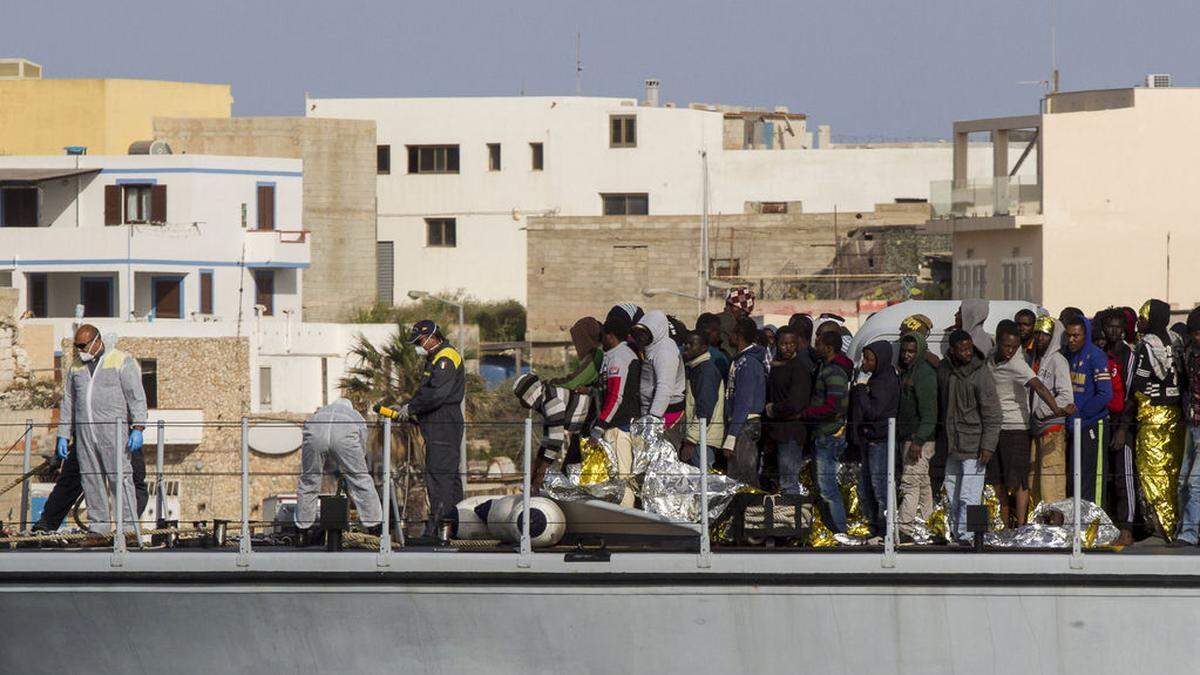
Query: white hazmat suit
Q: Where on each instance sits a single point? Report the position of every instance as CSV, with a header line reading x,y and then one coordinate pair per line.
x,y
336,432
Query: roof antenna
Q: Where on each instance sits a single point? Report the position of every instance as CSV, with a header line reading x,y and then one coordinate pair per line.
x,y
1053,52
578,67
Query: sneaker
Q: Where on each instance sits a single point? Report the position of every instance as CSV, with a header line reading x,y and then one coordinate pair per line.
x,y
875,540
846,540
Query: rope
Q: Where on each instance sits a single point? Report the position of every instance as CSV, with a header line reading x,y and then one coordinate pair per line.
x,y
46,464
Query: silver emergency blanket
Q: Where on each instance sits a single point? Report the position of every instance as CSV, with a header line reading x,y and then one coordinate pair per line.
x,y
1097,528
667,486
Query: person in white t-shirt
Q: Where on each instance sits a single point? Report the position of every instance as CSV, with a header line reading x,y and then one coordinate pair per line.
x,y
1008,472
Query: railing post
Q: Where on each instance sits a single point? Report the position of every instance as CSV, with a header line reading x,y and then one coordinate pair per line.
x,y
1077,471
385,531
118,554
160,500
526,557
704,559
889,537
243,558
25,472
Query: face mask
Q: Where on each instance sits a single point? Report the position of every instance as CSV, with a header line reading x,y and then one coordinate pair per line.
x,y
86,355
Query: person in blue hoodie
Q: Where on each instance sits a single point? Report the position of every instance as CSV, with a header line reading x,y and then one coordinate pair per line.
x,y
873,403
745,399
1092,385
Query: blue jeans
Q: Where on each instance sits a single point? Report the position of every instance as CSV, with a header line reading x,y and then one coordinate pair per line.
x,y
964,487
872,486
829,450
791,457
704,453
1189,490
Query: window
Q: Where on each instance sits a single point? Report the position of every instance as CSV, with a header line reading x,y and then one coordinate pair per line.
x,y
150,380
135,203
622,131
383,159
385,271
19,207
536,156
38,300
441,232
632,204
724,267
264,385
970,279
6,278
96,296
266,206
493,156
206,292
774,207
1017,274
433,159
166,295
264,290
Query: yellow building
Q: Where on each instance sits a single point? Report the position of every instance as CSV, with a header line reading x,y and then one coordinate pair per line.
x,y
41,117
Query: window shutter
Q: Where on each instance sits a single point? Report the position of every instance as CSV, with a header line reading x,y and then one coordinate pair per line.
x,y
266,207
158,203
112,204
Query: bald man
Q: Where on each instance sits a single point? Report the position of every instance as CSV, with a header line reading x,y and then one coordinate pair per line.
x,y
104,408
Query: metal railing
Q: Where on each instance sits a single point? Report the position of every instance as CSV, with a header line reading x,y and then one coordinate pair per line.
x,y
122,517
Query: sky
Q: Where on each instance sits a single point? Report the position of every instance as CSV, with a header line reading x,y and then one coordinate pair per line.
x,y
872,69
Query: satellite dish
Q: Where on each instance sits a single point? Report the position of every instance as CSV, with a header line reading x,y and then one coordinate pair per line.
x,y
277,438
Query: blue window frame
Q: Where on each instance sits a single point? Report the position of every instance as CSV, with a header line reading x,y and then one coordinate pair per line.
x,y
166,278
105,307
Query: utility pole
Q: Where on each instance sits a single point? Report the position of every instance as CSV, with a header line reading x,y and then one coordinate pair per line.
x,y
703,290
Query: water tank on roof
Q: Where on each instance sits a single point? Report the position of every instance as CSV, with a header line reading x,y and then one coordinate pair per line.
x,y
149,148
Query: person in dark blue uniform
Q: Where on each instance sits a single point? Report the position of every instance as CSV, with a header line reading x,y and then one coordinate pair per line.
x,y
436,407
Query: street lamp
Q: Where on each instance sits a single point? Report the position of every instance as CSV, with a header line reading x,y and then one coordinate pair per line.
x,y
462,451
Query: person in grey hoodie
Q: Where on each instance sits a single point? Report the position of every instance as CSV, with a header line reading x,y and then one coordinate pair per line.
x,y
663,379
970,317
973,421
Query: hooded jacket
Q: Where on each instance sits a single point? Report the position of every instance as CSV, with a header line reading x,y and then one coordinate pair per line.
x,y
974,313
1054,371
973,416
877,401
916,418
746,394
1156,365
585,335
1090,380
704,399
662,378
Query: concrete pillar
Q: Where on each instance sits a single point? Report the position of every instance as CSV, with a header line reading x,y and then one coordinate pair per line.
x,y
1000,153
960,159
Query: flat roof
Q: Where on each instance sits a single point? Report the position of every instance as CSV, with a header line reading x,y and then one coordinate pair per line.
x,y
38,175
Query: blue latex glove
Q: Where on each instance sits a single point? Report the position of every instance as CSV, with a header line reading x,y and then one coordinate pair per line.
x,y
60,448
135,440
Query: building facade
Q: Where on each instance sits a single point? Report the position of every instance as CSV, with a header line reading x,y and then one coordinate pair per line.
x,y
459,178
339,193
41,116
153,237
1106,219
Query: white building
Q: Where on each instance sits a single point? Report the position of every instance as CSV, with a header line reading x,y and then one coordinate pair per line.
x,y
152,237
458,176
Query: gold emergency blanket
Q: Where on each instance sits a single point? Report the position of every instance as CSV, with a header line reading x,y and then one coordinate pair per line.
x,y
1158,457
939,521
820,536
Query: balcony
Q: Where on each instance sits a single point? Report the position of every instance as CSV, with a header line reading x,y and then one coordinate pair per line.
x,y
986,197
277,248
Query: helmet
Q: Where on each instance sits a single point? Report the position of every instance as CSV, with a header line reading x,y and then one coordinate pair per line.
x,y
423,329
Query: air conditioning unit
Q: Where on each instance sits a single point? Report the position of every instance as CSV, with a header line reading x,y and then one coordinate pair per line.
x,y
1158,80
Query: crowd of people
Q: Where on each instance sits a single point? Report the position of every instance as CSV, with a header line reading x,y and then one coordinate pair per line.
x,y
997,407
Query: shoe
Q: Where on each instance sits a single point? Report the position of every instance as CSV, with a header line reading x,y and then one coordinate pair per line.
x,y
875,540
1178,542
374,531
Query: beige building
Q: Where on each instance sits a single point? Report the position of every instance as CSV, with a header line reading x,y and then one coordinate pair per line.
x,y
584,264
42,116
1108,218
339,194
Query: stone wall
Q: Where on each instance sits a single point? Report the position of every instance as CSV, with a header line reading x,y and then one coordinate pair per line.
x,y
583,265
339,193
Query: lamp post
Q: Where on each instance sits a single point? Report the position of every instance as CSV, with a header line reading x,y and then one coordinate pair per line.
x,y
462,450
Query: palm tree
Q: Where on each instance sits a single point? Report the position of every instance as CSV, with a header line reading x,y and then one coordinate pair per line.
x,y
388,373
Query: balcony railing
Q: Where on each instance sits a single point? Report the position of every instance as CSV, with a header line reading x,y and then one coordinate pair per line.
x,y
986,197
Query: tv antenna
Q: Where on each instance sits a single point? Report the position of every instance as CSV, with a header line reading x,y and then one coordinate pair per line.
x,y
578,67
